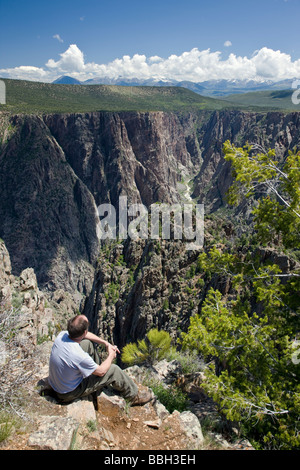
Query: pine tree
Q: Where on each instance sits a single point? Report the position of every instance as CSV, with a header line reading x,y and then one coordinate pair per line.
x,y
155,346
249,338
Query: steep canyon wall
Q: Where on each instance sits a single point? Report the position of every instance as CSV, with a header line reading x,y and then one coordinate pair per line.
x,y
56,169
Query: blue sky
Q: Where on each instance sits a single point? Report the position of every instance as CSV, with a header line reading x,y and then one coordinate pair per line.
x,y
42,40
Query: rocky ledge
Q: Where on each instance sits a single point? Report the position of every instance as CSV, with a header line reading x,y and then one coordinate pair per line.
x,y
111,424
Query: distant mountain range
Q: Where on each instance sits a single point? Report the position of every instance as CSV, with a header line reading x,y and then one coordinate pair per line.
x,y
211,88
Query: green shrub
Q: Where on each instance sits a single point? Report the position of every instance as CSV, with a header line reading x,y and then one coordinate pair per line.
x,y
112,293
153,348
172,397
189,361
8,423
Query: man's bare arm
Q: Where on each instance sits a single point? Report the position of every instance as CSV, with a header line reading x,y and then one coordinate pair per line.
x,y
105,365
96,339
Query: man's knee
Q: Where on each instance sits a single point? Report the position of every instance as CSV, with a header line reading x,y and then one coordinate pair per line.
x,y
117,374
122,379
87,346
115,370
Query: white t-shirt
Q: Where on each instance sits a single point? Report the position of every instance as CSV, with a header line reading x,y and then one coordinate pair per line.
x,y
68,364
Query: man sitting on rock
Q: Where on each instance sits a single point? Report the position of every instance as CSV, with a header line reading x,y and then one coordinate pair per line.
x,y
75,369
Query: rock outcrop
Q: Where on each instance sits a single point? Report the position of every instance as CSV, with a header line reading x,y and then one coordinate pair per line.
x,y
48,217
27,304
112,425
5,274
116,426
141,285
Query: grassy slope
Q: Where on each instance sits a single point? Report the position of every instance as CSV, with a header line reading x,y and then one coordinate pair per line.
x,y
281,99
34,97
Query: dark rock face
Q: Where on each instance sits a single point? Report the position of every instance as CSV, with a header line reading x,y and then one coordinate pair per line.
x,y
141,155
48,216
141,285
271,130
56,170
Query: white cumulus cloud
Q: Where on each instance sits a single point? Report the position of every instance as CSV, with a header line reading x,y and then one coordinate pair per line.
x,y
72,60
227,43
25,72
194,65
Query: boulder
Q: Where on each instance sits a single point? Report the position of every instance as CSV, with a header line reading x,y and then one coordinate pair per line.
x,y
28,280
192,427
54,433
5,274
82,410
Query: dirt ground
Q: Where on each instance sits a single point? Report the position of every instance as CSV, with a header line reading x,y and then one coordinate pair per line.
x,y
138,428
134,428
129,428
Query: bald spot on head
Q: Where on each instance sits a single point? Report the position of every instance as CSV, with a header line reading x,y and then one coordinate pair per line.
x,y
77,326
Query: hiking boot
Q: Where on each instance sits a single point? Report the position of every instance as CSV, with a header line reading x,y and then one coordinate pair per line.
x,y
143,396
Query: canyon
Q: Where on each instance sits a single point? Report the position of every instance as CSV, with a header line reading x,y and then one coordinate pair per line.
x,y
56,169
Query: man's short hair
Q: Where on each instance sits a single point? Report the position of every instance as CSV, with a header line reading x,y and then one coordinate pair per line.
x,y
77,326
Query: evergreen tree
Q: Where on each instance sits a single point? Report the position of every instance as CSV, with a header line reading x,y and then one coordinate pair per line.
x,y
250,336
